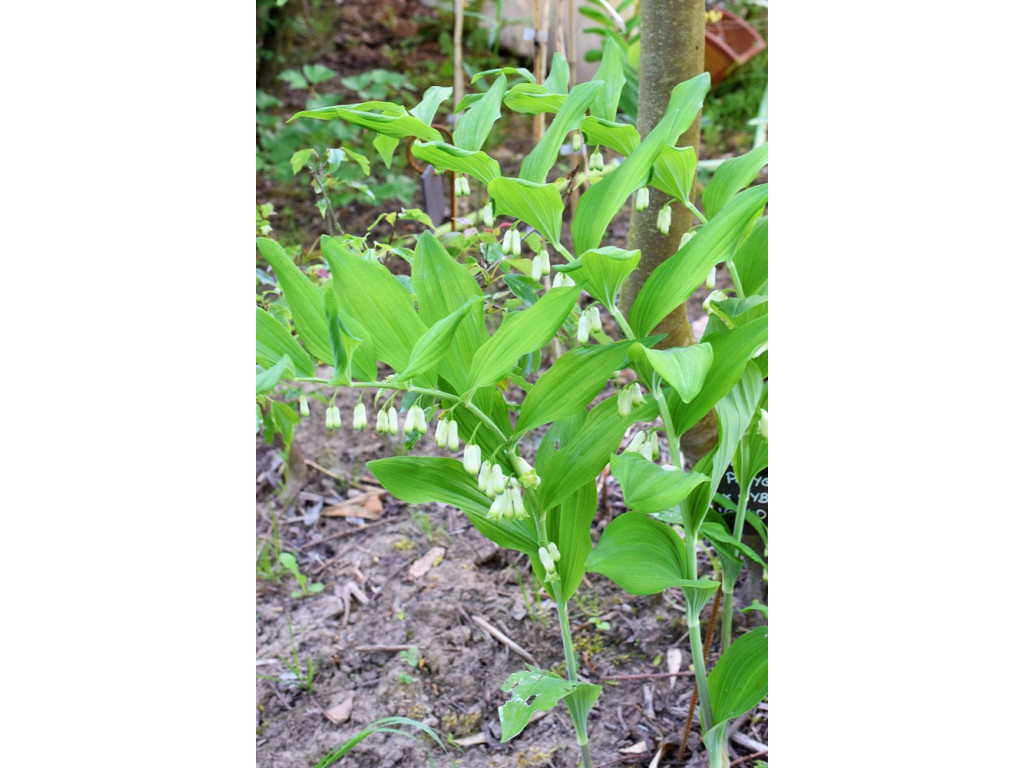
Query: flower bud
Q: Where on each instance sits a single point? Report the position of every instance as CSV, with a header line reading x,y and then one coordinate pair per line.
x,y
522,465
713,296
625,402
595,318
545,261
710,282
303,405
329,417
558,280
553,551
516,500
411,422
635,443
636,394
382,421
762,425
647,450
643,199
497,478
577,141
546,561
441,433
652,439
517,243
471,459
453,435
665,218
359,417
484,476
499,507
487,214
393,420
583,330
506,241
536,271
596,161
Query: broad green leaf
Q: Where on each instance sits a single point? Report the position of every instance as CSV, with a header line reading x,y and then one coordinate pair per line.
x,y
533,690
621,137
377,300
641,555
599,204
294,79
568,526
434,479
603,272
543,156
267,380
274,342
298,160
473,127
751,260
698,593
318,73
343,342
581,459
739,680
732,351
442,286
674,280
606,103
433,97
674,172
520,333
304,299
446,157
505,71
436,343
539,205
280,419
557,80
722,539
532,99
736,312
649,487
684,368
571,383
381,116
732,176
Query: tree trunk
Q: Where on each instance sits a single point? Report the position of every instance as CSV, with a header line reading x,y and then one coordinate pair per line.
x,y
671,51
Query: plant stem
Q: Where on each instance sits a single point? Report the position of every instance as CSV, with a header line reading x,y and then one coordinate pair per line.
x,y
700,674
617,314
695,211
670,433
729,583
579,722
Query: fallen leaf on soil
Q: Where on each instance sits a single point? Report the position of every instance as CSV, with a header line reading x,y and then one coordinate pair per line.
x,y
425,563
472,741
340,713
637,749
365,505
674,660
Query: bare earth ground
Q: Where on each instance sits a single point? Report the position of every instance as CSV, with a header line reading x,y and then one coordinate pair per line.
x,y
414,596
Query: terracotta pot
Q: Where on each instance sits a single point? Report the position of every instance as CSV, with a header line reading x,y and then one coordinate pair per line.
x,y
729,43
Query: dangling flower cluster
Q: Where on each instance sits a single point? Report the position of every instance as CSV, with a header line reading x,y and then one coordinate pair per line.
x,y
643,199
461,186
629,396
415,420
646,444
471,458
550,555
590,320
577,141
665,218
561,279
359,417
597,161
447,434
487,213
508,503
541,264
387,421
333,417
712,276
512,242
303,405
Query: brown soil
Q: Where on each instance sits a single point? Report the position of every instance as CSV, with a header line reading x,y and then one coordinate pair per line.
x,y
386,642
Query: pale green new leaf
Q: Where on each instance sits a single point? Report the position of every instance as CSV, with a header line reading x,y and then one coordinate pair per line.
x,y
641,555
520,333
505,71
434,97
557,80
732,176
267,380
739,680
674,280
343,342
304,299
473,127
568,526
543,156
603,272
674,172
532,99
436,343
649,487
684,368
621,137
606,103
446,157
274,342
381,116
751,260
539,205
599,204
533,690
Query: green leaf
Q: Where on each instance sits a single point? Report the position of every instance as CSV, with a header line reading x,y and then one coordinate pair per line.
x,y
520,333
621,137
432,479
571,383
267,380
505,71
603,272
543,156
723,541
424,111
474,127
732,176
568,526
557,80
581,458
280,419
606,104
739,680
533,99
318,73
273,342
298,160
751,260
649,487
343,343
376,299
674,171
599,204
381,116
304,299
674,280
294,79
641,555
684,368
533,690
539,205
436,343
446,157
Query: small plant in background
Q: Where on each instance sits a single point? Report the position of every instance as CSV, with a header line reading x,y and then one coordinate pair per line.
x,y
298,674
290,564
387,725
455,353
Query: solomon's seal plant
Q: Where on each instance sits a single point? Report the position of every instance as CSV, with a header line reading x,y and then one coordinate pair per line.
x,y
464,343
